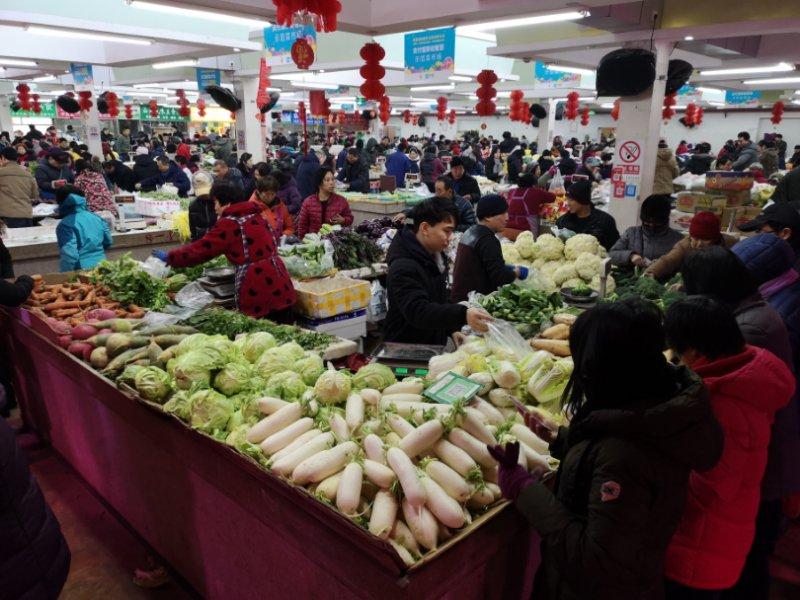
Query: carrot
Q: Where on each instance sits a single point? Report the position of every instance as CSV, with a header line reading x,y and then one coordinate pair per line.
x,y
68,312
62,305
384,514
349,493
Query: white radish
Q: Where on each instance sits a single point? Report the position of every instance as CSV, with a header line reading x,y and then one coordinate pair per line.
x,y
400,398
286,436
422,524
467,516
444,533
482,497
527,437
269,405
450,481
522,459
391,439
422,438
399,425
384,514
534,460
407,476
298,443
473,424
494,416
379,474
405,555
404,387
370,396
402,535
287,463
475,448
339,427
328,487
354,411
281,418
495,490
454,457
373,448
349,493
443,507
323,464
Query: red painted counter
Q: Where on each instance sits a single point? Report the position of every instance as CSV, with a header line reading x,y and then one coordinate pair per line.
x,y
229,528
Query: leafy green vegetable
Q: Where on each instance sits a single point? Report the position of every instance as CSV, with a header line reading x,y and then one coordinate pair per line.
x,y
153,384
375,376
287,385
196,272
521,305
332,387
310,367
129,284
233,378
210,410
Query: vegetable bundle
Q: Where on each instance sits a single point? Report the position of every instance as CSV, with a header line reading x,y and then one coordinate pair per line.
x,y
129,284
632,284
307,260
521,305
78,301
374,229
352,250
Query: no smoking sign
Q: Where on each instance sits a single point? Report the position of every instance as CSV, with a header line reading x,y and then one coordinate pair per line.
x,y
629,152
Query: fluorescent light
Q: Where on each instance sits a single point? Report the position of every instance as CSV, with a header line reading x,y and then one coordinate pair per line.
x,y
172,64
461,78
708,89
200,14
476,35
288,94
315,86
237,49
607,105
144,95
534,20
44,78
13,62
577,70
503,95
713,103
87,35
430,88
417,99
773,80
780,67
688,38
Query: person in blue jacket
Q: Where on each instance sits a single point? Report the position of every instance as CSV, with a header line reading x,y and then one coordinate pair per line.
x,y
399,164
307,168
82,235
168,172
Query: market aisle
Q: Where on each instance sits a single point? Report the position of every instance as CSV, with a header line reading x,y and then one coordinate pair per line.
x,y
104,553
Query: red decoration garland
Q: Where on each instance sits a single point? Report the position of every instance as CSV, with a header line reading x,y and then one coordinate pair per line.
x,y
24,96
486,93
323,12
615,110
128,111
585,116
302,53
452,117
406,116
372,71
84,101
690,114
183,104
113,104
36,107
515,106
777,112
669,101
201,107
153,108
698,116
441,108
262,97
572,106
385,109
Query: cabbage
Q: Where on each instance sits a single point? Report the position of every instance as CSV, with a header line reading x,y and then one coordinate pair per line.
x,y
292,349
548,383
549,246
286,384
210,410
564,272
588,265
332,387
195,367
153,384
500,397
189,343
579,243
179,405
237,439
310,367
475,345
504,373
528,365
254,344
129,374
236,420
476,363
375,376
233,378
525,245
274,360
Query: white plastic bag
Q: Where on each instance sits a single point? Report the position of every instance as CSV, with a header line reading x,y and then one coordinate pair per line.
x,y
155,267
505,341
376,309
193,296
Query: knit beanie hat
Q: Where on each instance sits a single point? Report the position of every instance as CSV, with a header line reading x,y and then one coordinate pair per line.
x,y
491,205
705,226
656,208
581,192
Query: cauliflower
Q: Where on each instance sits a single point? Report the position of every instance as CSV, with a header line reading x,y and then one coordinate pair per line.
x,y
510,254
572,283
525,245
611,285
603,253
588,265
550,247
539,263
564,272
549,269
579,243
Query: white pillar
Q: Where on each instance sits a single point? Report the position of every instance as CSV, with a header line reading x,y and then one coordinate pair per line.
x,y
546,127
250,132
6,124
91,129
638,132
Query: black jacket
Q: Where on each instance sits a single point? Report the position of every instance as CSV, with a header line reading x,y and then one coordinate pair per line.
x,y
356,175
34,557
419,311
202,216
507,144
699,164
620,494
599,223
514,163
788,188
14,294
6,264
466,186
144,166
480,266
123,176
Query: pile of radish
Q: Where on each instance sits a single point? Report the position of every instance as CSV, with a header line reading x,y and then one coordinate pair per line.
x,y
410,471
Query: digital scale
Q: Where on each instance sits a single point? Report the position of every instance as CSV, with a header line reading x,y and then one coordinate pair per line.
x,y
123,223
407,360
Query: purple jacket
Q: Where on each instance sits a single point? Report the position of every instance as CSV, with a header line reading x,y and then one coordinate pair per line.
x,y
290,196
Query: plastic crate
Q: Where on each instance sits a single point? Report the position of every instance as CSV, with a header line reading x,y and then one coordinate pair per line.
x,y
331,296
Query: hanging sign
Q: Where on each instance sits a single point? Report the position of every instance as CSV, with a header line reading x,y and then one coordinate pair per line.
x,y
278,42
750,99
625,176
206,77
430,55
48,112
165,113
688,94
545,78
82,76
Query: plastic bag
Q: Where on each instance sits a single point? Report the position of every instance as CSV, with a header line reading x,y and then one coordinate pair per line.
x,y
155,267
376,309
310,259
557,185
193,296
505,341
535,281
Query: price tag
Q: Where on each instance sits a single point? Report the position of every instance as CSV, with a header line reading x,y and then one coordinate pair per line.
x,y
451,388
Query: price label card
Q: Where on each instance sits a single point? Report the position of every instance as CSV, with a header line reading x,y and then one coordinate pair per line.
x,y
451,388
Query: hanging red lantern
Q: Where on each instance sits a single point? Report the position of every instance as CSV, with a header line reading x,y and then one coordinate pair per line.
x,y
372,71
262,97
302,53
153,108
23,96
689,115
113,104
585,116
324,13
84,101
385,109
183,104
36,107
572,107
669,101
486,93
441,108
128,111
201,107
452,117
301,112
406,116
698,116
515,106
615,110
525,112
414,120
777,112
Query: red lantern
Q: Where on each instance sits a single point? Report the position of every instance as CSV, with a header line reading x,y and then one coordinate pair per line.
x,y
36,107
406,116
525,112
372,71
262,97
301,112
777,112
183,104
441,108
615,110
128,111
689,115
452,118
84,101
113,104
201,107
585,116
486,93
698,116
669,102
153,108
515,106
23,96
385,109
572,107
302,53
324,13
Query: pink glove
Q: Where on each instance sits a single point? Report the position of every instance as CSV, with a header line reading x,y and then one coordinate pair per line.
x,y
512,477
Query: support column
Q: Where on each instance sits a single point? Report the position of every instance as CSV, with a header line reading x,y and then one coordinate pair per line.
x,y
6,124
546,127
637,136
251,133
91,128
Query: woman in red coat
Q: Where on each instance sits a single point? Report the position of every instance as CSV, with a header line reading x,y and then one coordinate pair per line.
x,y
525,204
746,386
263,285
323,207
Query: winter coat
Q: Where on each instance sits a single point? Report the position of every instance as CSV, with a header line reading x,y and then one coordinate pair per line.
x,y
417,295
716,531
202,216
94,188
123,177
18,190
6,266
341,158
431,168
174,176
234,176
650,246
222,148
599,223
479,265
356,175
307,168
619,495
82,235
788,188
144,167
467,187
699,164
672,262
666,170
278,217
46,175
466,214
122,145
507,144
34,556
524,207
514,166
314,214
746,157
290,196
769,161
265,285
398,164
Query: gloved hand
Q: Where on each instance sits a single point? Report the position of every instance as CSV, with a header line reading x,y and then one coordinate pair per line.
x,y
512,477
522,272
160,255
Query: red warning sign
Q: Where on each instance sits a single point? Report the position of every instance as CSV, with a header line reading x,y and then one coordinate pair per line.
x,y
629,152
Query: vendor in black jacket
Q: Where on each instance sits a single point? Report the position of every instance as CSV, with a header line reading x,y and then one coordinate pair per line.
x,y
464,184
120,175
583,217
419,311
355,172
480,266
202,214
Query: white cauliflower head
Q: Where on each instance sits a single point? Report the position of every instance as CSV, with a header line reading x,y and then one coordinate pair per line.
x,y
588,265
579,243
510,253
539,263
572,283
548,269
611,285
564,272
525,245
549,247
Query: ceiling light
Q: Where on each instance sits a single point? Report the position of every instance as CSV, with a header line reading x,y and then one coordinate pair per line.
x,y
67,71
416,99
44,78
200,14
607,105
708,89
771,81
688,38
13,62
144,95
461,78
315,86
534,20
237,49
476,35
430,88
87,35
576,70
321,71
172,64
780,67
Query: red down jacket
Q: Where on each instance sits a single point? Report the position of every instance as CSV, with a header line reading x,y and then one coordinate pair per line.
x,y
266,286
711,543
314,214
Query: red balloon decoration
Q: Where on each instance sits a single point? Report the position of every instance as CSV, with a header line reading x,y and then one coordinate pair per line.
x,y
441,108
452,117
84,101
615,110
669,101
777,112
372,71
525,112
302,53
183,104
323,12
406,116
572,107
153,108
128,111
385,109
24,96
201,107
698,116
36,107
585,116
113,104
486,93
